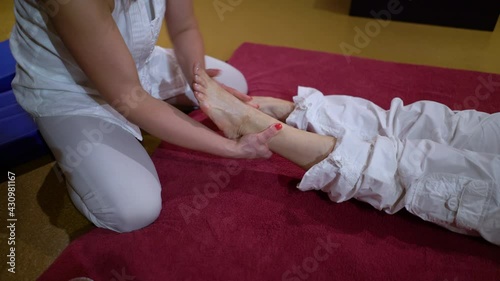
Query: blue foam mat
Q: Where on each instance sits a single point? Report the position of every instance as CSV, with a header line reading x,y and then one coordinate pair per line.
x,y
7,66
20,140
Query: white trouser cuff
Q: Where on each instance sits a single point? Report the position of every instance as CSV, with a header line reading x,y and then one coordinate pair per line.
x,y
309,114
339,172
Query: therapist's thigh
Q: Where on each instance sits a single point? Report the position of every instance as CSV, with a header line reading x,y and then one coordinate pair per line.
x,y
111,178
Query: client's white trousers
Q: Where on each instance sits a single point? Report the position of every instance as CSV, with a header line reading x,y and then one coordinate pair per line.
x,y
110,176
439,164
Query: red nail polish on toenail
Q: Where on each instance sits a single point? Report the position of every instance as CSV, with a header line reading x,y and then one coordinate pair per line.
x,y
278,126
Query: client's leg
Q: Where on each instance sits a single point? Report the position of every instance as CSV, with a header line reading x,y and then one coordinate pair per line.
x,y
453,188
236,118
276,108
333,114
457,189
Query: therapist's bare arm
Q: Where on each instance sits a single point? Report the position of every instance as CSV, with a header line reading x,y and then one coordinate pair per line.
x,y
186,37
89,32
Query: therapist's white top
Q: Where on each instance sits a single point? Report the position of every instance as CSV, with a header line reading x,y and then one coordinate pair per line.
x,y
49,82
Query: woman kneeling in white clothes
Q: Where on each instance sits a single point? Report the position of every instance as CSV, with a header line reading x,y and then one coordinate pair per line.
x,y
90,74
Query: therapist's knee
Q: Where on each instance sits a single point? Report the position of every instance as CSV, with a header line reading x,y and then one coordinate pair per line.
x,y
139,211
134,217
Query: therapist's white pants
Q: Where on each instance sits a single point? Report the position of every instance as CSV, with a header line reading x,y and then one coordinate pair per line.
x,y
110,177
441,165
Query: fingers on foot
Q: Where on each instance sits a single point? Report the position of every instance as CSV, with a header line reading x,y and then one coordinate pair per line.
x,y
265,136
201,97
200,76
196,68
199,88
198,80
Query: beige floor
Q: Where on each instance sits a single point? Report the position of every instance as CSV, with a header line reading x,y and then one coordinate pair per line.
x,y
47,221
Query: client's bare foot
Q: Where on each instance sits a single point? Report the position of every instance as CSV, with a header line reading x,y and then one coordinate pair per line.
x,y
276,108
231,115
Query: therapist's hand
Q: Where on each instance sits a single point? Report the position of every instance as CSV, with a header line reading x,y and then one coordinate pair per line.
x,y
256,145
214,72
